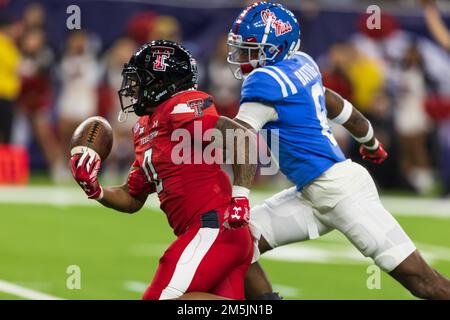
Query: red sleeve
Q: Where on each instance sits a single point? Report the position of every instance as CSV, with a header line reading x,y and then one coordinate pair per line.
x,y
193,112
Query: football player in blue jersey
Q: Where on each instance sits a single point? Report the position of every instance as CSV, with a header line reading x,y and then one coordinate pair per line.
x,y
283,93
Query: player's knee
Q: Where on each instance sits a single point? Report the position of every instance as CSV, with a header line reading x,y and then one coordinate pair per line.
x,y
388,249
390,258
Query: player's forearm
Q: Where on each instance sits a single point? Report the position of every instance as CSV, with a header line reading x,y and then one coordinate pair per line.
x,y
118,198
342,112
360,128
244,174
436,25
244,146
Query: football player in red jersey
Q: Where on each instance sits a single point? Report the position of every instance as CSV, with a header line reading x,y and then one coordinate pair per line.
x,y
214,247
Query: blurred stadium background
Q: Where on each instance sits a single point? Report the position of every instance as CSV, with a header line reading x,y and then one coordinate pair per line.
x,y
52,78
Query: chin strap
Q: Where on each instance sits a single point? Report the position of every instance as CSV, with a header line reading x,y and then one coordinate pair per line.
x,y
123,117
293,49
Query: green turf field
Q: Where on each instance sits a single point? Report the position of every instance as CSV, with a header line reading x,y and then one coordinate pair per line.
x,y
118,254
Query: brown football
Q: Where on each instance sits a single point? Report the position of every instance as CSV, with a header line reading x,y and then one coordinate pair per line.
x,y
95,133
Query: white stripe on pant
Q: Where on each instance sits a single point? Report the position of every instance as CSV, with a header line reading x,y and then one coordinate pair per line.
x,y
188,263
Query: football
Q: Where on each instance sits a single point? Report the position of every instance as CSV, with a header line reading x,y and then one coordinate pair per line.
x,y
95,133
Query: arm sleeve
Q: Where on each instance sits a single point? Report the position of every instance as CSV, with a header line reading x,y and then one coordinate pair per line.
x,y
256,114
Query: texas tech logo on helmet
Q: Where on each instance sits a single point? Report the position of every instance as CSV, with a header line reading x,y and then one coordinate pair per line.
x,y
161,54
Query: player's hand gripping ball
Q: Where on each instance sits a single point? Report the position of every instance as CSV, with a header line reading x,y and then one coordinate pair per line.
x,y
90,145
84,167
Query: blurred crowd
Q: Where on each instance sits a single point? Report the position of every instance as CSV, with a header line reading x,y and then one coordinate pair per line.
x,y
53,91
45,94
397,79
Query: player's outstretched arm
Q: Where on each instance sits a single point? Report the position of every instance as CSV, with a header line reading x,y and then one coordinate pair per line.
x,y
129,197
342,112
435,23
119,198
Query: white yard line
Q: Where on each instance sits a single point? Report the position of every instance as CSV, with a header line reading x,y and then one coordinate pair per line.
x,y
16,290
307,253
343,254
136,286
423,207
63,196
339,252
286,291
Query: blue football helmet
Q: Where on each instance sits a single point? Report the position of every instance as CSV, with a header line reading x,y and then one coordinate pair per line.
x,y
263,34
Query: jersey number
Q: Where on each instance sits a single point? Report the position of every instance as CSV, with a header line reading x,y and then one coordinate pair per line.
x,y
150,171
317,93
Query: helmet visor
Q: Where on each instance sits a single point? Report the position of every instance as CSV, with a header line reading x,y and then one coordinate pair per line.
x,y
244,56
130,89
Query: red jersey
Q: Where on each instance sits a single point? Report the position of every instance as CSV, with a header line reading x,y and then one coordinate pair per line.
x,y
186,190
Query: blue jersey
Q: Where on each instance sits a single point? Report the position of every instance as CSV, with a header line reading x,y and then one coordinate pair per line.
x,y
294,88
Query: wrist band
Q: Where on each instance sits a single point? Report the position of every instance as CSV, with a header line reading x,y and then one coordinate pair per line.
x,y
345,114
83,149
100,197
367,137
239,191
375,146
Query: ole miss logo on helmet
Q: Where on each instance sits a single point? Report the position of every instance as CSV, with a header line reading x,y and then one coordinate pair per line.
x,y
161,54
279,26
